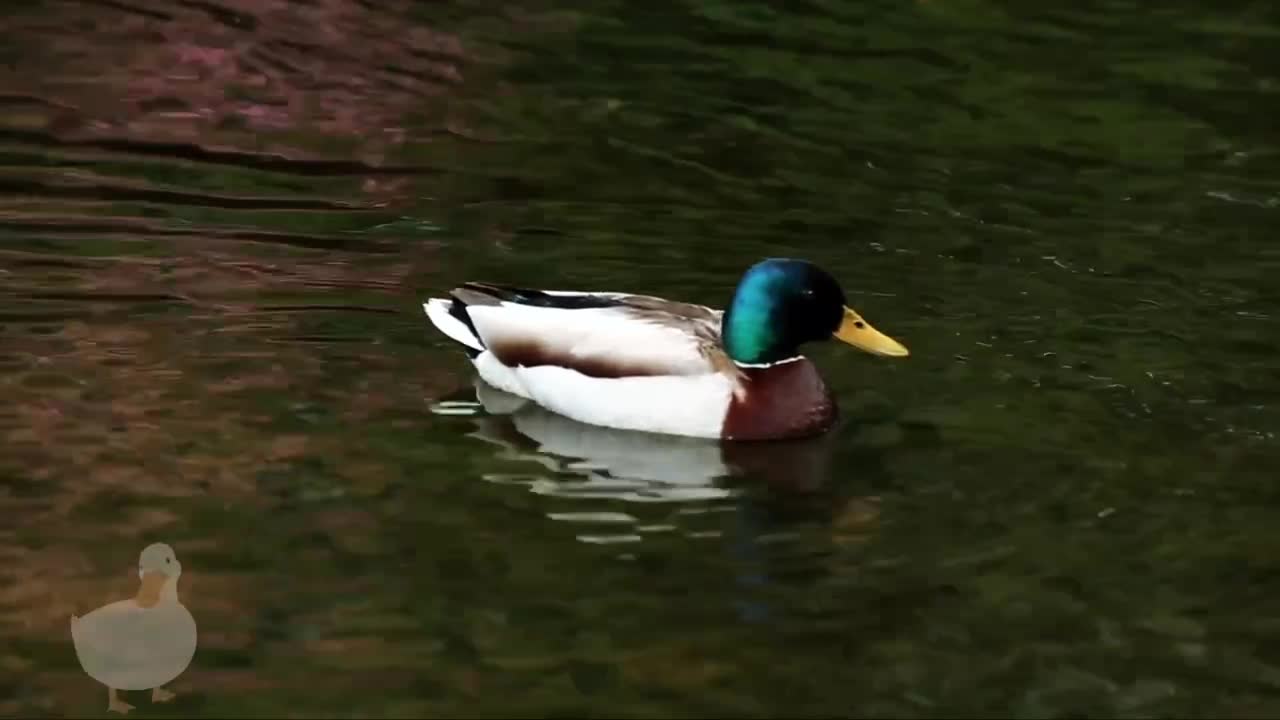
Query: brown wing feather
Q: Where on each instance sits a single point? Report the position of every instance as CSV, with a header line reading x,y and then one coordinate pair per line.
x,y
700,321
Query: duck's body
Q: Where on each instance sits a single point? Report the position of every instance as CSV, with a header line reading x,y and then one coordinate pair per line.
x,y
126,646
143,642
638,362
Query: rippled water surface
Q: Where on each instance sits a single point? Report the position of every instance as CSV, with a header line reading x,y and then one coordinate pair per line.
x,y
218,219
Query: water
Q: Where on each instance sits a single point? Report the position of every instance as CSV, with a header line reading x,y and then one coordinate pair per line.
x,y
218,220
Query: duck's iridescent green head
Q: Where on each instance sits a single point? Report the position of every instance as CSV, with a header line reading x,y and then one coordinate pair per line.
x,y
781,303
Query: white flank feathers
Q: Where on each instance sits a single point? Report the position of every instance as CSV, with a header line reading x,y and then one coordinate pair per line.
x,y
688,398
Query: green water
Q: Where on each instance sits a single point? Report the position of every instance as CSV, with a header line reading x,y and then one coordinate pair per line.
x,y
218,221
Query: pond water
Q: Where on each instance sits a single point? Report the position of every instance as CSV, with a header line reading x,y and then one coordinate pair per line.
x,y
218,219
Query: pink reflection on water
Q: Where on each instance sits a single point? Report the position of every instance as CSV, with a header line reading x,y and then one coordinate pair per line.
x,y
326,77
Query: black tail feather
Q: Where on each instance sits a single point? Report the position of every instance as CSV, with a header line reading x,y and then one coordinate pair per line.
x,y
538,298
458,309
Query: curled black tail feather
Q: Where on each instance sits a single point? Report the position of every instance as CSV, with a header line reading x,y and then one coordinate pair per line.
x,y
458,309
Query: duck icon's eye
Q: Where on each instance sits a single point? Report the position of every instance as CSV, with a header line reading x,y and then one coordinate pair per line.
x,y
168,560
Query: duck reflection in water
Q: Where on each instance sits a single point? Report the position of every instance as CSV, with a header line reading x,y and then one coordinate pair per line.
x,y
640,466
773,490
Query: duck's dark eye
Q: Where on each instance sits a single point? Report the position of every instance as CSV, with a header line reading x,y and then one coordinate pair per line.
x,y
859,324
168,560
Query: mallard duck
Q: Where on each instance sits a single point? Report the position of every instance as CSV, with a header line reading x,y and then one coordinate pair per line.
x,y
143,642
638,362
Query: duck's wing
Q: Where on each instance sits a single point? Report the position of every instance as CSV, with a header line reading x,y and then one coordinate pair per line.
x,y
112,633
598,334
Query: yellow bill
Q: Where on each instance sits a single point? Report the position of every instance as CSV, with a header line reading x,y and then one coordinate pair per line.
x,y
149,592
859,333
